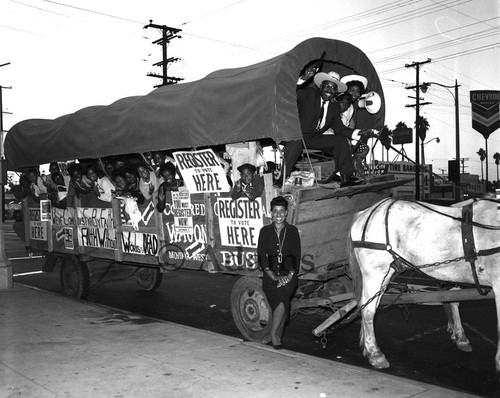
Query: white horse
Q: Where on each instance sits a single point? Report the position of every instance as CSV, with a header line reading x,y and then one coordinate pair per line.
x,y
396,235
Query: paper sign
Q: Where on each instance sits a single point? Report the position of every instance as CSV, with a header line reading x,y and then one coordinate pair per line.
x,y
201,171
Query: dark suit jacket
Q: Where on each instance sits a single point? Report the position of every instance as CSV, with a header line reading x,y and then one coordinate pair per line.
x,y
309,104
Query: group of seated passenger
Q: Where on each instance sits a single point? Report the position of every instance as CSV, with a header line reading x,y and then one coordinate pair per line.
x,y
145,178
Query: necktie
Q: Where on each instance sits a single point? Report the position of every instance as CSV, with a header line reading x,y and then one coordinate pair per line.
x,y
322,115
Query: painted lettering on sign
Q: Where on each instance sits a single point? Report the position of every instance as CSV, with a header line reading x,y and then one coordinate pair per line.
x,y
199,234
201,171
240,221
195,209
104,238
35,214
64,217
38,230
140,243
239,260
179,255
95,217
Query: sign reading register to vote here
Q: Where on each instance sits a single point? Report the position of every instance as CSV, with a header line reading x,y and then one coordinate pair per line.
x,y
201,171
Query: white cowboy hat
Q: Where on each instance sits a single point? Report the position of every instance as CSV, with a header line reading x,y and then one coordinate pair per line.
x,y
333,77
359,78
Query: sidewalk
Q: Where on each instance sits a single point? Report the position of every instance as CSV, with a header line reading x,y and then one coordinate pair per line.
x,y
51,346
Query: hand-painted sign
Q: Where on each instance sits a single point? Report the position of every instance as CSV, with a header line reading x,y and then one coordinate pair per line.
x,y
201,171
64,217
38,228
96,228
66,234
485,111
140,243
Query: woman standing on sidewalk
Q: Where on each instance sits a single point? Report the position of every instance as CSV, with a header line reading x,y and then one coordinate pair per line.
x,y
279,257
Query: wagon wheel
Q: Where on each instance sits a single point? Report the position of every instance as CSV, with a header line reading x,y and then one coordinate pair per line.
x,y
250,309
74,277
149,279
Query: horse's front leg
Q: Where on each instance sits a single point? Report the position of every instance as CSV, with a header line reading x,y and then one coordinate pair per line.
x,y
372,285
455,327
495,284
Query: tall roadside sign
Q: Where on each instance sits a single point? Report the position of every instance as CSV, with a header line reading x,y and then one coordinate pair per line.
x,y
485,114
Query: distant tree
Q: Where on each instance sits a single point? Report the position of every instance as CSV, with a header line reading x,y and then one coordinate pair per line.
x,y
482,157
401,125
385,140
496,156
385,137
422,126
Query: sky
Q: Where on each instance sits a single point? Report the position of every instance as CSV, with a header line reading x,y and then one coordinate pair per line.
x,y
69,54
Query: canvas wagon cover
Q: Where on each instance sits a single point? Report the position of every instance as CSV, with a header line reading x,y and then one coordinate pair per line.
x,y
227,106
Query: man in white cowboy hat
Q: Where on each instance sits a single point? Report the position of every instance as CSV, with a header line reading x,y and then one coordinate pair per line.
x,y
356,86
319,113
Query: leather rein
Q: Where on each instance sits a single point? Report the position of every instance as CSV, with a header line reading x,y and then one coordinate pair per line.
x,y
468,244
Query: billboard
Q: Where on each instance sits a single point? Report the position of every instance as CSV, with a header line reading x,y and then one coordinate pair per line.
x,y
402,136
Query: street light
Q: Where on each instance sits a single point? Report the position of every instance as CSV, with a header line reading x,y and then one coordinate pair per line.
x,y
432,139
457,130
424,168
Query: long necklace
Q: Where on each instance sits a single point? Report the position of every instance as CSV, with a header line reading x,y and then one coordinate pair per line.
x,y
280,245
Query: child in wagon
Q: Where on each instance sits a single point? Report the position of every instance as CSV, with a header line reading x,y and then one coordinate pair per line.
x,y
249,185
170,183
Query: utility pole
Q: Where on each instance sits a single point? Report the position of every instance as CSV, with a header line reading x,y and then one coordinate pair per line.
x,y
417,65
168,34
5,267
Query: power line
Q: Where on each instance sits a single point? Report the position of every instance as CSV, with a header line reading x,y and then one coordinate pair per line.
x,y
94,12
212,12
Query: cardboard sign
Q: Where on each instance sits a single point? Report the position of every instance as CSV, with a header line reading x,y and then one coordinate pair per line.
x,y
96,228
201,171
240,221
140,243
181,210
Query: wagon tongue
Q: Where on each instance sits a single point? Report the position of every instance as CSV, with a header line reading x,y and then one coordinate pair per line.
x,y
365,188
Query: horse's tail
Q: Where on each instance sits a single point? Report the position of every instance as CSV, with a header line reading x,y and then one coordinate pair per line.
x,y
355,270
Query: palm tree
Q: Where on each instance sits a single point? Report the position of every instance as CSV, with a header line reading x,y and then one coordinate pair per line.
x,y
482,157
401,125
496,156
385,140
422,126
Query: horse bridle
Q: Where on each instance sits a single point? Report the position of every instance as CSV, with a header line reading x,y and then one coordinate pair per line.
x,y
468,243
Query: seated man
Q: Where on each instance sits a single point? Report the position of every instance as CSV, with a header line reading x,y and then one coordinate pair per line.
x,y
319,113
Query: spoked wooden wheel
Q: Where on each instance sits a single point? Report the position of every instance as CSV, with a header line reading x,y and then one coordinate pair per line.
x,y
250,309
75,278
149,279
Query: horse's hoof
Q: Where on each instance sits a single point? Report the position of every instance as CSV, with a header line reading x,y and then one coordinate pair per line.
x,y
379,361
464,346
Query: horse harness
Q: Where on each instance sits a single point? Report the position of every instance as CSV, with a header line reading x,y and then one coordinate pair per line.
x,y
468,244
